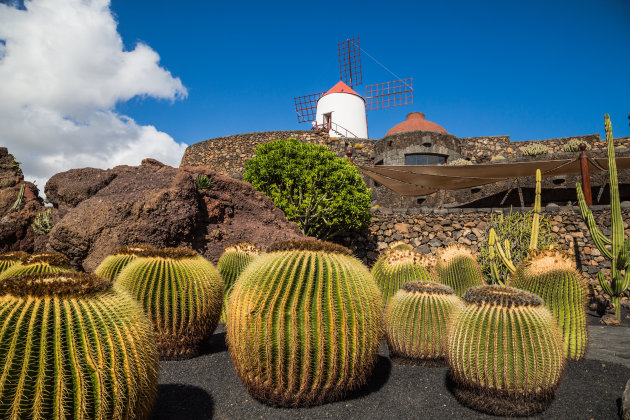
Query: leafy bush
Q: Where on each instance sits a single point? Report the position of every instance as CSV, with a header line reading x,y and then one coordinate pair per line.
x,y
517,229
322,193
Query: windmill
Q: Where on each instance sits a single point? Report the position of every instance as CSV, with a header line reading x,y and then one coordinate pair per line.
x,y
341,110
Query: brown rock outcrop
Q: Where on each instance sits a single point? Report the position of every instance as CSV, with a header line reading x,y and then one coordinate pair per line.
x,y
161,206
16,233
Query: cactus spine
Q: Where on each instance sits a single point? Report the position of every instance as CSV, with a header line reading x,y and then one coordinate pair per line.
x,y
45,262
304,324
505,352
73,347
618,252
396,267
231,264
416,321
11,258
551,275
113,264
181,293
456,266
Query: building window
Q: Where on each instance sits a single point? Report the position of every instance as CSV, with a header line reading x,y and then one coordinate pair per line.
x,y
425,159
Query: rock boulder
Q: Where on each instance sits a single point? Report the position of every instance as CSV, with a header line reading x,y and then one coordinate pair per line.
x,y
158,205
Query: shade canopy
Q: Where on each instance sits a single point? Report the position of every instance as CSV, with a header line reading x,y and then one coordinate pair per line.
x,y
423,180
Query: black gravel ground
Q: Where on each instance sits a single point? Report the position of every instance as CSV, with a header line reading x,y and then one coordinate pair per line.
x,y
207,387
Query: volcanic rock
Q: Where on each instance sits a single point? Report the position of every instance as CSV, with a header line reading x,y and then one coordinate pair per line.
x,y
16,233
161,206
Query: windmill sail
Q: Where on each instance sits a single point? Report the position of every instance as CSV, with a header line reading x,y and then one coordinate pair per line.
x,y
306,107
389,94
350,62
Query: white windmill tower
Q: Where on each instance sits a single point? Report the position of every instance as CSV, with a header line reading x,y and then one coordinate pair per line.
x,y
341,110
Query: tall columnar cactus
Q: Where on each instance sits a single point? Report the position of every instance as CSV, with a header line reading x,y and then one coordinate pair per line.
x,y
416,321
74,347
113,264
551,275
304,324
181,292
395,267
11,258
503,251
618,253
231,264
45,262
505,352
456,266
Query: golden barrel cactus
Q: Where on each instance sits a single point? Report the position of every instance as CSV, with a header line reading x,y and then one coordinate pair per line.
x,y
9,259
505,352
416,322
304,325
113,264
43,262
456,266
231,264
74,347
181,292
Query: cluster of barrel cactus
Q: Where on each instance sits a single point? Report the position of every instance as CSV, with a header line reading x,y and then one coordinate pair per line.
x,y
74,347
416,322
551,275
304,324
505,352
573,145
231,264
44,262
398,265
456,266
181,293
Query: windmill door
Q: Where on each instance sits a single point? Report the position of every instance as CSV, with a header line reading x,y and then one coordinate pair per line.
x,y
327,120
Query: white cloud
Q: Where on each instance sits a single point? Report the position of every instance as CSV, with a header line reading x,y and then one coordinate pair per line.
x,y
63,68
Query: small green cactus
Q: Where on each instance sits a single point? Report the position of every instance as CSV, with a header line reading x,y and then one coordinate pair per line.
x,y
395,267
551,275
231,264
460,162
181,292
399,245
44,262
416,321
304,324
11,258
203,182
573,145
536,149
74,347
42,224
456,266
113,264
505,352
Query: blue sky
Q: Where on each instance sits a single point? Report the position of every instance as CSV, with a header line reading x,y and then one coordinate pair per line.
x,y
529,69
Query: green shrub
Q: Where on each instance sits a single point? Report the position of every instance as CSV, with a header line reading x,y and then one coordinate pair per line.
x,y
74,347
324,194
505,352
551,275
44,262
417,320
304,324
516,227
181,293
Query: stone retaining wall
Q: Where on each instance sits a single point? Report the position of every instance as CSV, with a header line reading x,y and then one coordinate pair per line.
x,y
429,229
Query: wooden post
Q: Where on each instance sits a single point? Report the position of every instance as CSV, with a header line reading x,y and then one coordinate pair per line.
x,y
586,176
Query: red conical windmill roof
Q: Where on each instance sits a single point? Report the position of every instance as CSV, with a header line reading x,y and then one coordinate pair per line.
x,y
415,122
341,87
